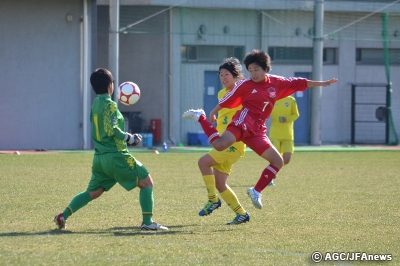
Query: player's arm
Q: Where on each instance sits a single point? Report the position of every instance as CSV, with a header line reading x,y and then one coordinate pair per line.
x,y
213,113
274,116
133,139
313,83
294,112
233,98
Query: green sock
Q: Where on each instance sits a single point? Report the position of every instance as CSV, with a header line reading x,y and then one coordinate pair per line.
x,y
146,200
79,201
209,180
232,201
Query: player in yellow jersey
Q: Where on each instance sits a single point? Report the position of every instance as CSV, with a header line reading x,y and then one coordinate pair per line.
x,y
281,133
216,166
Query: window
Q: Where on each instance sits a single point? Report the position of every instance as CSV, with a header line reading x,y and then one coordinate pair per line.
x,y
210,53
192,53
330,56
371,56
300,55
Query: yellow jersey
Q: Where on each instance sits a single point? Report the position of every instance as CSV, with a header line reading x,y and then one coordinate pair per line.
x,y
286,107
224,118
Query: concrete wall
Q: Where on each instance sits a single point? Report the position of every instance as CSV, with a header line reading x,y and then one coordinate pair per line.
x,y
244,31
335,100
143,59
40,102
40,64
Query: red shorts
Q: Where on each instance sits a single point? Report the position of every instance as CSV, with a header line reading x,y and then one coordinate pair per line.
x,y
251,130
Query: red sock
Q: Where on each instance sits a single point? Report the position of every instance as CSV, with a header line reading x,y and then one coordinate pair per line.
x,y
266,177
208,128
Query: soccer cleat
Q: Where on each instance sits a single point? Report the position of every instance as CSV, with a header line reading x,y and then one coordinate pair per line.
x,y
153,227
255,197
210,207
193,114
271,183
60,221
240,219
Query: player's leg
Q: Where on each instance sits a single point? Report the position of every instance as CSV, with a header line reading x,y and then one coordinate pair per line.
x,y
141,176
287,156
278,145
221,173
146,200
287,150
263,147
224,141
276,163
220,143
205,163
78,202
131,173
230,198
98,183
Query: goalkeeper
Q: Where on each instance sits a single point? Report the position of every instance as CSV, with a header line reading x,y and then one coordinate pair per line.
x,y
112,162
281,133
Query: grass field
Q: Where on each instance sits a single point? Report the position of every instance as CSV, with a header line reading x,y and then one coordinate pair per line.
x,y
323,201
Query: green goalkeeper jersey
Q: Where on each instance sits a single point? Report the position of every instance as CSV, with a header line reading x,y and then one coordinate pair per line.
x,y
108,126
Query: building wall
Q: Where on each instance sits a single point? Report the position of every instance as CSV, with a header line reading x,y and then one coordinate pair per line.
x,y
40,102
40,64
335,100
143,59
244,30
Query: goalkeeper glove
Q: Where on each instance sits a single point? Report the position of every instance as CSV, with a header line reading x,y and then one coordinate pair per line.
x,y
134,139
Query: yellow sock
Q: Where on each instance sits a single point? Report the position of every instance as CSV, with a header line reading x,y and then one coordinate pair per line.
x,y
209,180
230,198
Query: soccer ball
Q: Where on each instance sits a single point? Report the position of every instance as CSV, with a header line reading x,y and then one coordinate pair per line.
x,y
129,93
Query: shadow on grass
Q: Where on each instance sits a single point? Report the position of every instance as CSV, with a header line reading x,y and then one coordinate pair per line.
x,y
50,232
103,232
116,231
173,230
243,186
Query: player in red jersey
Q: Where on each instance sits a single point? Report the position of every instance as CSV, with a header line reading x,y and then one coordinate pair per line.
x,y
257,95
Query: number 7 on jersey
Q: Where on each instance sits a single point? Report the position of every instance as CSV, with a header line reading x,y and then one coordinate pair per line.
x,y
265,105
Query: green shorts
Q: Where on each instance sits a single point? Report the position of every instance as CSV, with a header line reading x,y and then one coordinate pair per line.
x,y
225,159
111,168
283,146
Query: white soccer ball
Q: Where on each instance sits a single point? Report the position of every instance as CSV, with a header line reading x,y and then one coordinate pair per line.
x,y
129,93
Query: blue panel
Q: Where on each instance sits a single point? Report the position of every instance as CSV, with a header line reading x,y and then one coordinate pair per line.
x,y
198,139
212,85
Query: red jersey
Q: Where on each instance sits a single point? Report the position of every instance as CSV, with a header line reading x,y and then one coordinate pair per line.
x,y
260,97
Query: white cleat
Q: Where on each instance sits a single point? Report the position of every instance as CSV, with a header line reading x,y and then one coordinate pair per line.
x,y
255,197
193,114
153,227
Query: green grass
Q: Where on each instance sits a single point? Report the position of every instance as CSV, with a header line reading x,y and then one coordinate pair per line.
x,y
325,201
